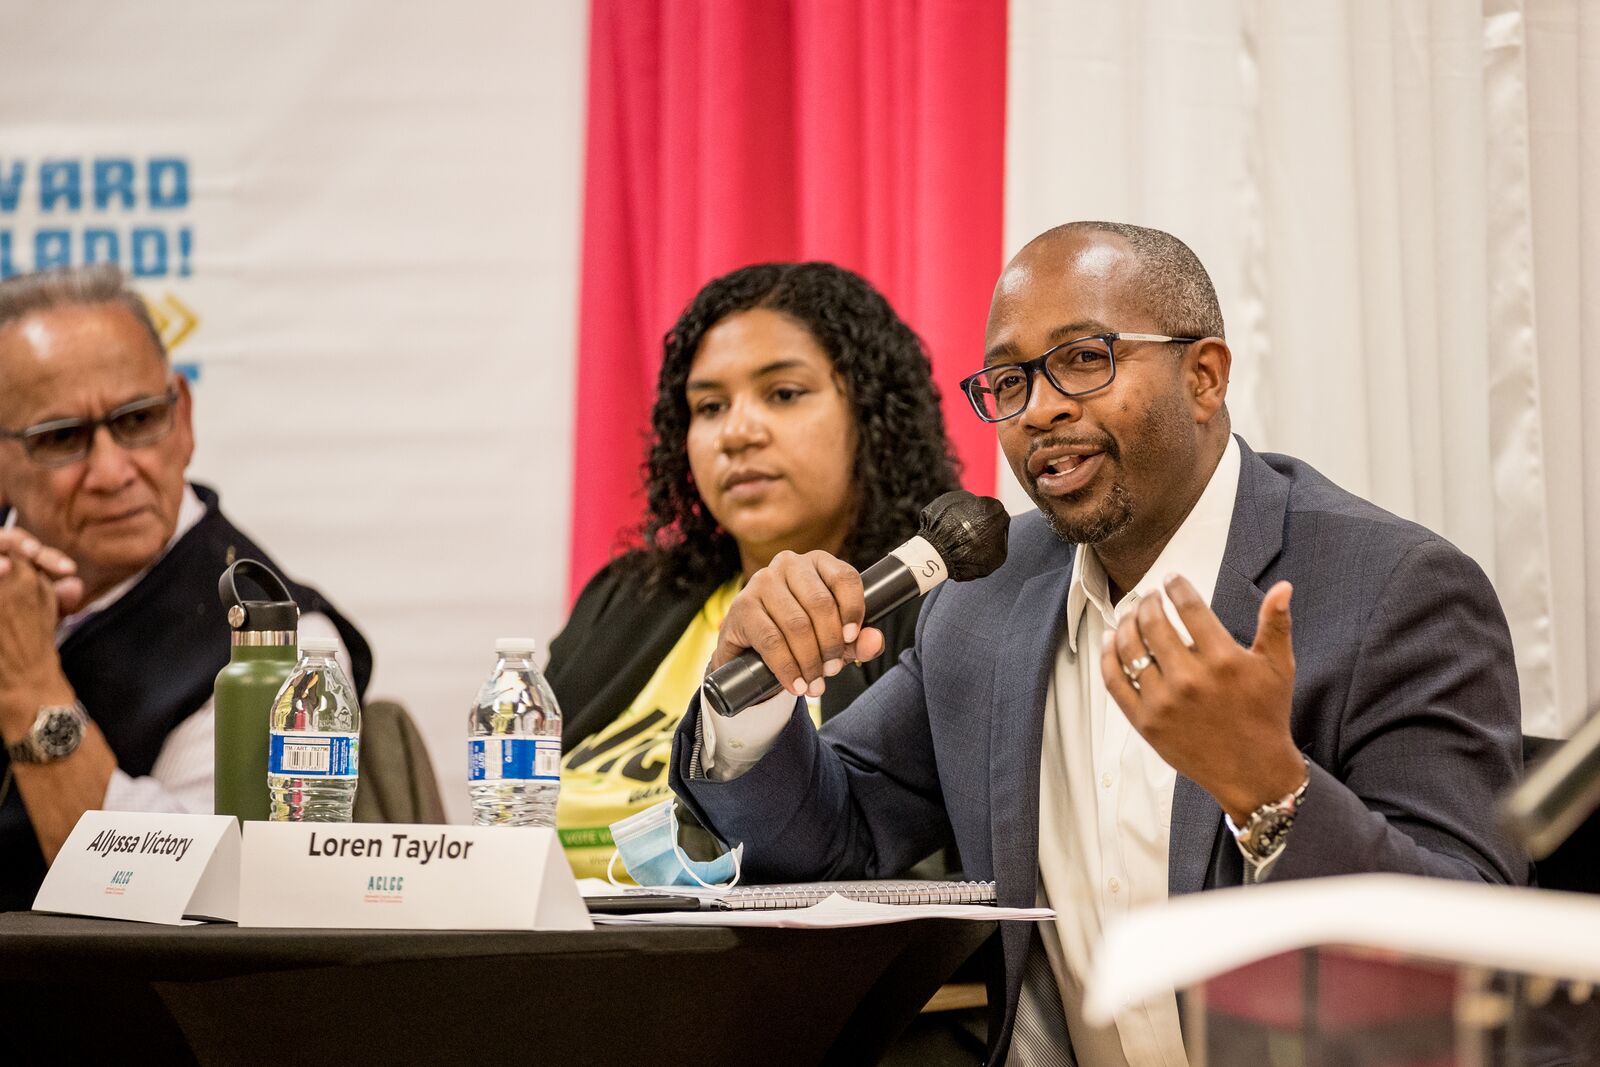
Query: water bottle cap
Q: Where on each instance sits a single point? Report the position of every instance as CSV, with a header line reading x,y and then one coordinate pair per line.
x,y
325,646
524,646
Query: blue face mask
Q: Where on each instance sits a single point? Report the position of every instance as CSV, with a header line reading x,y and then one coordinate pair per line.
x,y
648,845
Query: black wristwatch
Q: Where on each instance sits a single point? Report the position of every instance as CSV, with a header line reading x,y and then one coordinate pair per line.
x,y
56,733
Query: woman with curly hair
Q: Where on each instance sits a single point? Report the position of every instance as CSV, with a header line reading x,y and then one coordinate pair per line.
x,y
794,411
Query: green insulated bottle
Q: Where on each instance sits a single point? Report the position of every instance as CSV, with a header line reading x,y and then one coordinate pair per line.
x,y
263,657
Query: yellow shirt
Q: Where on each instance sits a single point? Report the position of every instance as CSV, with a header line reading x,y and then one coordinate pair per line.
x,y
622,769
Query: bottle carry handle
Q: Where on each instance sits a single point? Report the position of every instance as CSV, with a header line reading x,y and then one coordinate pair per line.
x,y
265,579
259,574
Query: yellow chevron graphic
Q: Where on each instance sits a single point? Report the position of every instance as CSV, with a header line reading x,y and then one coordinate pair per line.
x,y
173,318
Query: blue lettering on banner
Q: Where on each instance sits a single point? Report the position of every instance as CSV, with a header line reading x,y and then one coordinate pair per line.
x,y
313,755
516,759
63,211
169,184
60,179
113,178
149,252
101,246
52,248
10,187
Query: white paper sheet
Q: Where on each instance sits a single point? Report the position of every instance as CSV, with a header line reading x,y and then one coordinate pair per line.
x,y
1192,938
834,912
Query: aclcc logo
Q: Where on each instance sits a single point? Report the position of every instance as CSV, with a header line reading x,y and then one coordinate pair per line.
x,y
385,889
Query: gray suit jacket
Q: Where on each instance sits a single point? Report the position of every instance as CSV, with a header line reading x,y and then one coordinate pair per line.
x,y
1405,702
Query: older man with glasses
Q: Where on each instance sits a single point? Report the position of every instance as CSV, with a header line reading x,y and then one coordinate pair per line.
x,y
1122,711
111,632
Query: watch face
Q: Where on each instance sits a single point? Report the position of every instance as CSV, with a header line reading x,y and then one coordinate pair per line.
x,y
1271,830
59,734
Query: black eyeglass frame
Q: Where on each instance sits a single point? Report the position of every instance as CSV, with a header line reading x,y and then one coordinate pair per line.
x,y
1040,364
28,435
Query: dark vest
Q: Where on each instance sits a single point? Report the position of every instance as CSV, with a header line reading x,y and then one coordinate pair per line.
x,y
148,662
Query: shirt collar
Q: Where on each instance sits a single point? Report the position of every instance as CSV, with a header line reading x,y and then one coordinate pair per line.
x,y
1195,551
190,511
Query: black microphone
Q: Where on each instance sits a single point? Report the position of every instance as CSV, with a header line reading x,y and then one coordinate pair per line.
x,y
959,536
1558,794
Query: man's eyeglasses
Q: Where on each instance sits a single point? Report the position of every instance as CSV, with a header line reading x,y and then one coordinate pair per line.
x,y
133,425
1077,367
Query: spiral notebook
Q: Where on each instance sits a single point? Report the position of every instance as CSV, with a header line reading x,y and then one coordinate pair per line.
x,y
889,891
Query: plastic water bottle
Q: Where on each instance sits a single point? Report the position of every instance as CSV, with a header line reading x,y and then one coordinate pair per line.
x,y
514,742
316,739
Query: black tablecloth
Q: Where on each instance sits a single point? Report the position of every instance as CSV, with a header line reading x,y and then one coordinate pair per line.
x,y
88,990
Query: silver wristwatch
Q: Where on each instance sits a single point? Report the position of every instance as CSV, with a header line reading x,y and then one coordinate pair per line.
x,y
1266,831
56,733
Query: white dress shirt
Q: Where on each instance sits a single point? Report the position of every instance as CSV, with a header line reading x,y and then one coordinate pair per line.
x,y
181,778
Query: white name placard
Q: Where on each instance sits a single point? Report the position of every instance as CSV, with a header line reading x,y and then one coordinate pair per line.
x,y
407,877
146,866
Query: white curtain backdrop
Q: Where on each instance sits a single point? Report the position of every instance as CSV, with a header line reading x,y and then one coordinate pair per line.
x,y
1400,205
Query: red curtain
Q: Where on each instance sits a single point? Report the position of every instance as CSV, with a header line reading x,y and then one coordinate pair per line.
x,y
728,132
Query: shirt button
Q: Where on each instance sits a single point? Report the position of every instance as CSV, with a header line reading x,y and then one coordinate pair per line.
x,y
1114,885
1105,781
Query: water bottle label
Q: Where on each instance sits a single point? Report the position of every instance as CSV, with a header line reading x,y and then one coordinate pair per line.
x,y
314,755
491,759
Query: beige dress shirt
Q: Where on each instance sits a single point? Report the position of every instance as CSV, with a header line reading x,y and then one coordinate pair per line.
x,y
1105,797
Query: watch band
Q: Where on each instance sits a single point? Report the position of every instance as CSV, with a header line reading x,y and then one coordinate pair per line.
x,y
1266,832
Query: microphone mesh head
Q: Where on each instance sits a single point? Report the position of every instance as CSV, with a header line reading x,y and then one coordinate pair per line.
x,y
968,532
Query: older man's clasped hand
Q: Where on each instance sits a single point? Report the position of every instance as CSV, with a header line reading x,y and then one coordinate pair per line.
x,y
38,586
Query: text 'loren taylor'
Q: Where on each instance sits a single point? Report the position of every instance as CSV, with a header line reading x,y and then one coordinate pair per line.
x,y
406,847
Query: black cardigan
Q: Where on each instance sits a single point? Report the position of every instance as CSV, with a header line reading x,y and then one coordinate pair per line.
x,y
617,636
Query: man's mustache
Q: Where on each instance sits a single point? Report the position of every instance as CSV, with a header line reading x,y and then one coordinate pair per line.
x,y
1097,442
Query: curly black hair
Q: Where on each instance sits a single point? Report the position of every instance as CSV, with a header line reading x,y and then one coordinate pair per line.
x,y
903,459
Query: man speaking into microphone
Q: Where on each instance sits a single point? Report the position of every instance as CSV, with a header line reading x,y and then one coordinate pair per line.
x,y
1199,666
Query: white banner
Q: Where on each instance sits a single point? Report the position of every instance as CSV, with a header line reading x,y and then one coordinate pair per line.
x,y
357,223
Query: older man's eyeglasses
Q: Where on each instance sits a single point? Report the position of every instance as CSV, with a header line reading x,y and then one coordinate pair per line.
x,y
133,425
1077,367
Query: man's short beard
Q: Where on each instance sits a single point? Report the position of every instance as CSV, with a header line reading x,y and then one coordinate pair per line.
x,y
1109,519
1166,429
